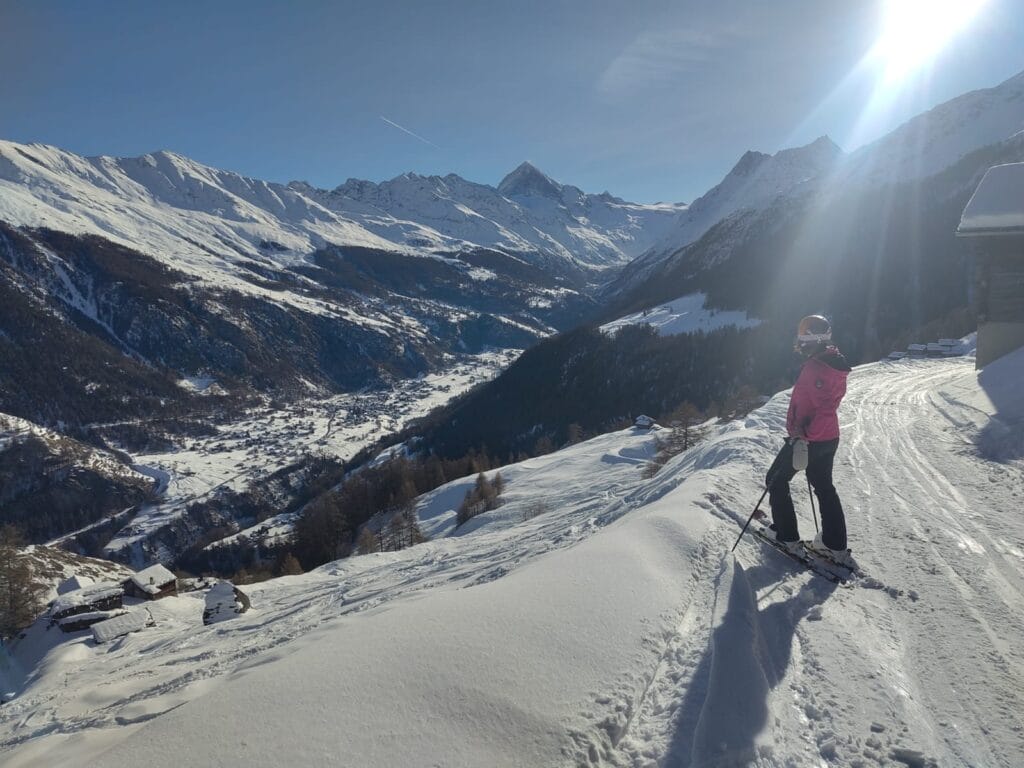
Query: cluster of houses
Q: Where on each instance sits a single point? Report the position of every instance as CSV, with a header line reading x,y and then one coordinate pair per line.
x,y
99,606
82,604
940,348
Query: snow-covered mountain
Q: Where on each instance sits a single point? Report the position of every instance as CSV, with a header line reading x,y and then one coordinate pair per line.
x,y
755,182
599,619
528,214
940,137
212,223
198,272
759,183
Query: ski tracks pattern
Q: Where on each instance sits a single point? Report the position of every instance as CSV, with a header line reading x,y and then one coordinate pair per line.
x,y
956,646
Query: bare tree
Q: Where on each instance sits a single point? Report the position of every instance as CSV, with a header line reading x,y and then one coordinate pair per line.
x,y
685,431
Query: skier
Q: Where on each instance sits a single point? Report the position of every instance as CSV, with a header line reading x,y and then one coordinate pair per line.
x,y
813,429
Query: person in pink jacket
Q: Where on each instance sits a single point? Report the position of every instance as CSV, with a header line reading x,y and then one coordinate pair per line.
x,y
812,419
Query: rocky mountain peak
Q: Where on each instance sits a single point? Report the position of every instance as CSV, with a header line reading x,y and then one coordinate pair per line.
x,y
527,180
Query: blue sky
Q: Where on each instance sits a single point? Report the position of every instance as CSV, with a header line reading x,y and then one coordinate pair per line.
x,y
649,100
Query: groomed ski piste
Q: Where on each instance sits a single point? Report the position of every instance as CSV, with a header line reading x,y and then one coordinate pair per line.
x,y
599,619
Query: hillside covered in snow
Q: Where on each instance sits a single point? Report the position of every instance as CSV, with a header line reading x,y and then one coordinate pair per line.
x,y
213,223
819,183
596,618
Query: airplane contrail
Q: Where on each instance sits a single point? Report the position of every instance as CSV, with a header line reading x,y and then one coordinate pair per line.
x,y
406,130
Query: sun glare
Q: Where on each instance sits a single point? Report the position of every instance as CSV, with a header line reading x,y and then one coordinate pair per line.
x,y
913,31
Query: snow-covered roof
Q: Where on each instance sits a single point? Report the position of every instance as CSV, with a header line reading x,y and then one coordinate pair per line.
x,y
91,616
73,584
997,206
85,596
152,578
132,621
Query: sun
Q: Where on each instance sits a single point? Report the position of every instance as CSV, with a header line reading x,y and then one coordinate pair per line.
x,y
914,31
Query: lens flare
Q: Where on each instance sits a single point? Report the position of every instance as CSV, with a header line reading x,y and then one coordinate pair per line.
x,y
914,31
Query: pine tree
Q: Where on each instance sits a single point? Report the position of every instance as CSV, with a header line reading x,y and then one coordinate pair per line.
x,y
289,565
685,432
20,595
368,542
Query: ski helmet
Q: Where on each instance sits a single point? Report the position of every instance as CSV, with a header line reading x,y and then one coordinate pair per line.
x,y
814,331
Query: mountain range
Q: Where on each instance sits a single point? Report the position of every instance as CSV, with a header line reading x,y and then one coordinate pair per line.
x,y
124,279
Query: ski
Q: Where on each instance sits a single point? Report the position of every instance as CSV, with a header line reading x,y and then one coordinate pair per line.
x,y
825,569
821,564
854,569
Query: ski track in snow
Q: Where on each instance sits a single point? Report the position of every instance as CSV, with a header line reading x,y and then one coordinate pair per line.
x,y
937,672
756,663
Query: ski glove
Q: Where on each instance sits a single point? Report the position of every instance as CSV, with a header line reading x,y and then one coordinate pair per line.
x,y
799,454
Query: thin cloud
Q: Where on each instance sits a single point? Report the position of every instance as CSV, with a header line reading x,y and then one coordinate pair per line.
x,y
406,130
656,59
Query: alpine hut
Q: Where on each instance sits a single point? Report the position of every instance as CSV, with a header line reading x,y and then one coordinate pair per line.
x,y
151,583
994,221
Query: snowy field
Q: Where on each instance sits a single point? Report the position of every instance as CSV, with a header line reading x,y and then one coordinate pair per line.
x,y
598,619
683,315
267,440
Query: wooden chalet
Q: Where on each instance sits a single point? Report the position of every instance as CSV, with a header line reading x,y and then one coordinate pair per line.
x,y
81,608
152,583
994,222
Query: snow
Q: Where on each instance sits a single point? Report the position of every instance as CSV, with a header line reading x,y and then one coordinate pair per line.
x,y
151,579
938,138
265,440
90,616
74,584
85,596
997,205
755,181
683,315
132,621
209,222
924,145
600,619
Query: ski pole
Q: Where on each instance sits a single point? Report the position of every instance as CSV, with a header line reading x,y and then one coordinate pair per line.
x,y
813,510
749,519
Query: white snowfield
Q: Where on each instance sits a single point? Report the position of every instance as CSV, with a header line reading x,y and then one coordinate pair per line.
x,y
683,315
598,619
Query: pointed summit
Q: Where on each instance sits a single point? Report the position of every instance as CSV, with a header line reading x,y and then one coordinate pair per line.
x,y
821,152
526,181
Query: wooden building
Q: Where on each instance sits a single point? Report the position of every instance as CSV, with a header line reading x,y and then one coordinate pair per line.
x,y
81,608
152,583
993,221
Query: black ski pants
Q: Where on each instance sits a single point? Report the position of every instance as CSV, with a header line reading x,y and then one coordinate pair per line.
x,y
819,471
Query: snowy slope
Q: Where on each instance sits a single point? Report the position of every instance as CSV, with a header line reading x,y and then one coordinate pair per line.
x,y
927,144
210,222
614,627
527,213
683,315
941,136
753,183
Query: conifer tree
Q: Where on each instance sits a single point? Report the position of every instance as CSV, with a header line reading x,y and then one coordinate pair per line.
x,y
20,595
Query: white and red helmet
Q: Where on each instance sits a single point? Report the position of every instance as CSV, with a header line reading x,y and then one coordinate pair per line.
x,y
813,330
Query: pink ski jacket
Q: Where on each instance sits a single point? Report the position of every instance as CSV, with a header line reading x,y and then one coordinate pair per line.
x,y
816,396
